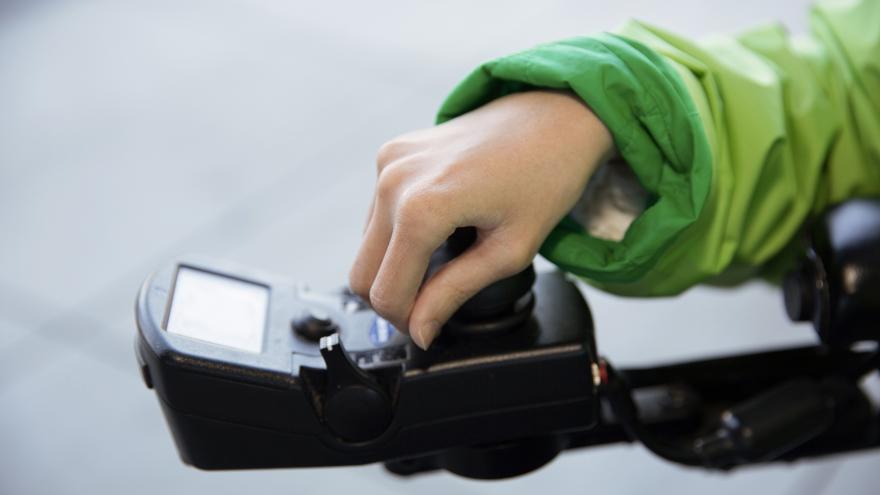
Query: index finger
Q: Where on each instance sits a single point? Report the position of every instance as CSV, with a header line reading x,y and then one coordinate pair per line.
x,y
402,270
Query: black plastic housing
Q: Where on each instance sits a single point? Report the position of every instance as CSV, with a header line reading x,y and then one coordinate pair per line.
x,y
231,409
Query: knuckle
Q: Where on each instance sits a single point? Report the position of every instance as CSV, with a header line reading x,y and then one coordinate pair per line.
x,y
389,183
382,303
412,208
389,152
417,204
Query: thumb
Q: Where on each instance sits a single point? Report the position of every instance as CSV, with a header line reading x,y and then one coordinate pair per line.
x,y
460,279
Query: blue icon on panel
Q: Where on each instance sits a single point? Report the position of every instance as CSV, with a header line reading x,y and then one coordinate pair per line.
x,y
381,331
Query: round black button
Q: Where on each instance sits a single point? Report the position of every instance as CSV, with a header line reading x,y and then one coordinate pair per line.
x,y
313,326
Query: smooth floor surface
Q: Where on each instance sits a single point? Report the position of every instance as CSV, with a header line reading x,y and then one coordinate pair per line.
x,y
131,132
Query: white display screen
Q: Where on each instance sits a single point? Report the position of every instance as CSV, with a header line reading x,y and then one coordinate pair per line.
x,y
218,309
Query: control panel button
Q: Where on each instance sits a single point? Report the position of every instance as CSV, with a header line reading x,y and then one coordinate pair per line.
x,y
314,325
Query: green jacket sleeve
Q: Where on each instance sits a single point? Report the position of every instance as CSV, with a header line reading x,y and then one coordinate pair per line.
x,y
736,140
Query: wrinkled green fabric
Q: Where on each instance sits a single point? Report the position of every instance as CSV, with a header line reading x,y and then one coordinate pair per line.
x,y
787,126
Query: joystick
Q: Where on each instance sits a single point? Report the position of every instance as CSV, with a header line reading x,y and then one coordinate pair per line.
x,y
499,307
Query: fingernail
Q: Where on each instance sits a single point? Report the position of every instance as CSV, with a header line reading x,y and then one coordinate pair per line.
x,y
424,335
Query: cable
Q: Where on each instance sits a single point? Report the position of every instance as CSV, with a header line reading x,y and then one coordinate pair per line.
x,y
625,411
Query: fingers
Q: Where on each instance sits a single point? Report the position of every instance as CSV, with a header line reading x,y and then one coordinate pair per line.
x,y
484,263
370,214
407,225
378,227
370,255
389,152
414,238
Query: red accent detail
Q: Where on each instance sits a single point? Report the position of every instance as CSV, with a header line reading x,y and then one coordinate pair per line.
x,y
603,371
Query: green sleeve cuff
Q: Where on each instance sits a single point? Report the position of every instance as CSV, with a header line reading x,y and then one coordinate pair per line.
x,y
656,128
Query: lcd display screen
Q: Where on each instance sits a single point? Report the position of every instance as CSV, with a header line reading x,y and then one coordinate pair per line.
x,y
217,309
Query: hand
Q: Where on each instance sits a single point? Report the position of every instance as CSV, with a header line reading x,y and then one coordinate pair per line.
x,y
512,169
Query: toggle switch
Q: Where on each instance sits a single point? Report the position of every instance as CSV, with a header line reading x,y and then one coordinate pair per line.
x,y
355,407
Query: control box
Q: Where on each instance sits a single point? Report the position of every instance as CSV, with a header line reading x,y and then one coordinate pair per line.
x,y
254,371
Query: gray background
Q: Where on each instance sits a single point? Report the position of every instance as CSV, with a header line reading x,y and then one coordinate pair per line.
x,y
131,132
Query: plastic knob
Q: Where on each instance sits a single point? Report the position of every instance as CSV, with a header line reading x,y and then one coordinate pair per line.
x,y
355,407
500,307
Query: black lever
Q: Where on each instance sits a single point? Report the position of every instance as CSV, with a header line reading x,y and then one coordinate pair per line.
x,y
355,407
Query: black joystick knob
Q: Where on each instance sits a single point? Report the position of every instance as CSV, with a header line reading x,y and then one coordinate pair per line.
x,y
500,307
355,407
314,325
